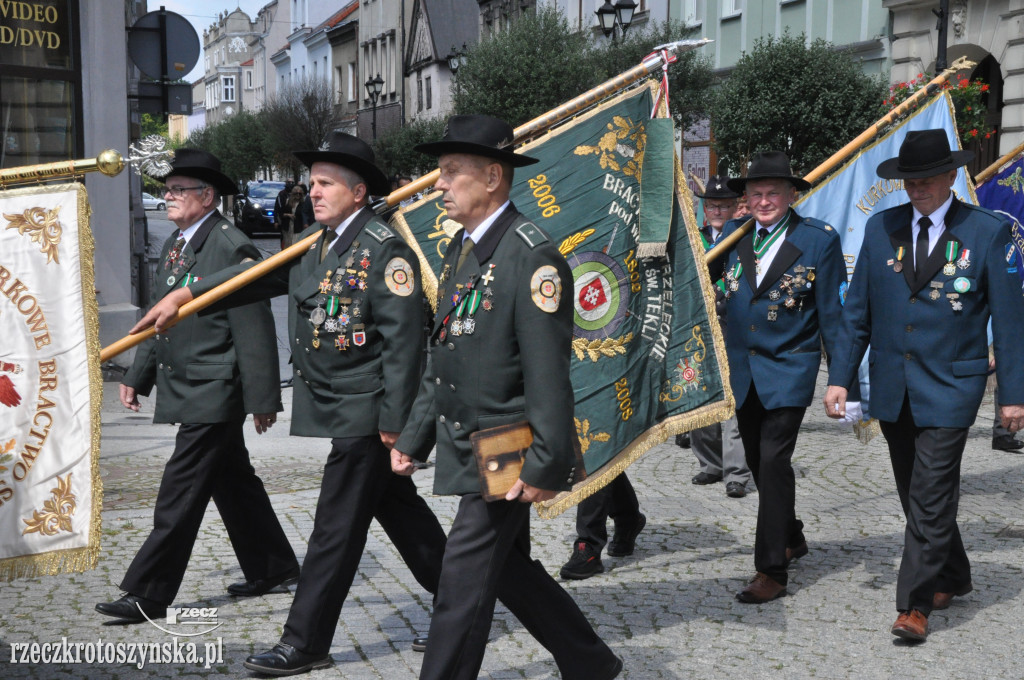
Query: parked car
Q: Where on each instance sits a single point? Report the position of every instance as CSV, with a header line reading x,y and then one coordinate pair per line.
x,y
254,210
150,202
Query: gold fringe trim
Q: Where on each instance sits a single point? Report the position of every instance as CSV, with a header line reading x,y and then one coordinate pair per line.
x,y
866,431
709,414
87,557
651,250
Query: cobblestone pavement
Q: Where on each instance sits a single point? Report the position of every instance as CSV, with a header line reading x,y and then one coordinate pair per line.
x,y
668,610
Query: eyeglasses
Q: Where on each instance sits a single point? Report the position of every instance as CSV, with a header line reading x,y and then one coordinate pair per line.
x,y
178,192
709,207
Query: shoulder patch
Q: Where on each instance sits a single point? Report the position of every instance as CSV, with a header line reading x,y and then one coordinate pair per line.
x,y
379,232
532,234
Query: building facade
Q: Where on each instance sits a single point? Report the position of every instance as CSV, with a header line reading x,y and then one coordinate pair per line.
x,y
439,28
227,45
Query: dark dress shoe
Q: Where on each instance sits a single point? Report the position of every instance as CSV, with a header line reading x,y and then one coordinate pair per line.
x,y
264,585
702,478
912,625
615,669
944,599
683,440
284,659
419,644
762,589
796,552
735,490
624,541
584,563
131,608
1007,442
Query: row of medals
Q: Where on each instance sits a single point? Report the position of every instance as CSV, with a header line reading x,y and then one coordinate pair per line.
x,y
467,300
354,280
948,269
789,283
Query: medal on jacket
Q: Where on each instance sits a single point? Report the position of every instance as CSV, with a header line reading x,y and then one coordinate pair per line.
x,y
325,285
935,294
472,302
773,311
898,266
956,304
965,259
774,295
952,250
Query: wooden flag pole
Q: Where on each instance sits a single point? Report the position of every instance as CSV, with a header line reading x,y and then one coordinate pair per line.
x,y
933,87
539,124
987,173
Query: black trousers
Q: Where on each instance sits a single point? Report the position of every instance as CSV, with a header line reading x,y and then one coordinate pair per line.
x,y
358,486
616,500
769,439
209,461
488,557
926,465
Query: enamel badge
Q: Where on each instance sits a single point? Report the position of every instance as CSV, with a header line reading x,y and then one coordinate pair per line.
x,y
546,288
398,277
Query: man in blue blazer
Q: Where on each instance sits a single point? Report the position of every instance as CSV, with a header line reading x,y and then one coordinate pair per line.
x,y
783,287
929,276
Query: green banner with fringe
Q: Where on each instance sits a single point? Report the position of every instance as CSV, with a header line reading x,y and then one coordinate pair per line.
x,y
648,356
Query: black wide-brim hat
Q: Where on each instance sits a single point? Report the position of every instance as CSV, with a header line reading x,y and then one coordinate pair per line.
x,y
769,165
718,187
353,153
479,136
203,166
923,153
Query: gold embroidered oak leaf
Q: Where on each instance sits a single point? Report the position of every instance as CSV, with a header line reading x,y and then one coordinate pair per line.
x,y
586,436
42,226
57,511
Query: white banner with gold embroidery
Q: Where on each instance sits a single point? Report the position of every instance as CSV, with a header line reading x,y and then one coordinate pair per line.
x,y
50,384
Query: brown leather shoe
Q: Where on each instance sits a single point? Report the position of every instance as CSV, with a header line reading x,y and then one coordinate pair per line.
x,y
943,600
762,589
912,625
797,552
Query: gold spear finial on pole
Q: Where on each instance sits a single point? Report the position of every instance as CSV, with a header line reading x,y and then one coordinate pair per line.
x,y
148,156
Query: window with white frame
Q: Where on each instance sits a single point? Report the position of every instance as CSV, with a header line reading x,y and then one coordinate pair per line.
x,y
248,78
730,7
690,12
228,85
353,81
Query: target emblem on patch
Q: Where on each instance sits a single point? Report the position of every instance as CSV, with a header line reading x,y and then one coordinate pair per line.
x,y
546,288
398,277
601,295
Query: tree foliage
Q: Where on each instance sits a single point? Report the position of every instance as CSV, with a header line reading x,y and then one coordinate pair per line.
x,y
805,100
394,149
519,73
298,118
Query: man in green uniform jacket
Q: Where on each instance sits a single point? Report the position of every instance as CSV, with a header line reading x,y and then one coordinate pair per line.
x,y
355,326
499,355
207,378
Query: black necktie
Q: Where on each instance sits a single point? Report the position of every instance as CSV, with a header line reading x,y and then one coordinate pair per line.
x,y
921,246
762,234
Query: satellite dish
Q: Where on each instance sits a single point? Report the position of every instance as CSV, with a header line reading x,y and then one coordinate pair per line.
x,y
164,45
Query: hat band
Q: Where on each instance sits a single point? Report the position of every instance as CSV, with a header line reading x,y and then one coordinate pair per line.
x,y
925,166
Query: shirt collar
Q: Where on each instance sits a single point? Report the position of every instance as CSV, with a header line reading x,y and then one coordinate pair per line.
x,y
479,232
187,234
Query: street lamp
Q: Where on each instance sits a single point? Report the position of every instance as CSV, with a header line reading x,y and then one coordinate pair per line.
x,y
456,58
373,88
621,13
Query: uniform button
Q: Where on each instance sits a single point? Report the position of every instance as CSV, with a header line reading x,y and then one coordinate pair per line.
x,y
441,418
437,381
451,387
298,372
296,341
457,426
907,356
307,350
160,366
913,300
753,352
437,342
909,328
451,345
157,336
753,327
